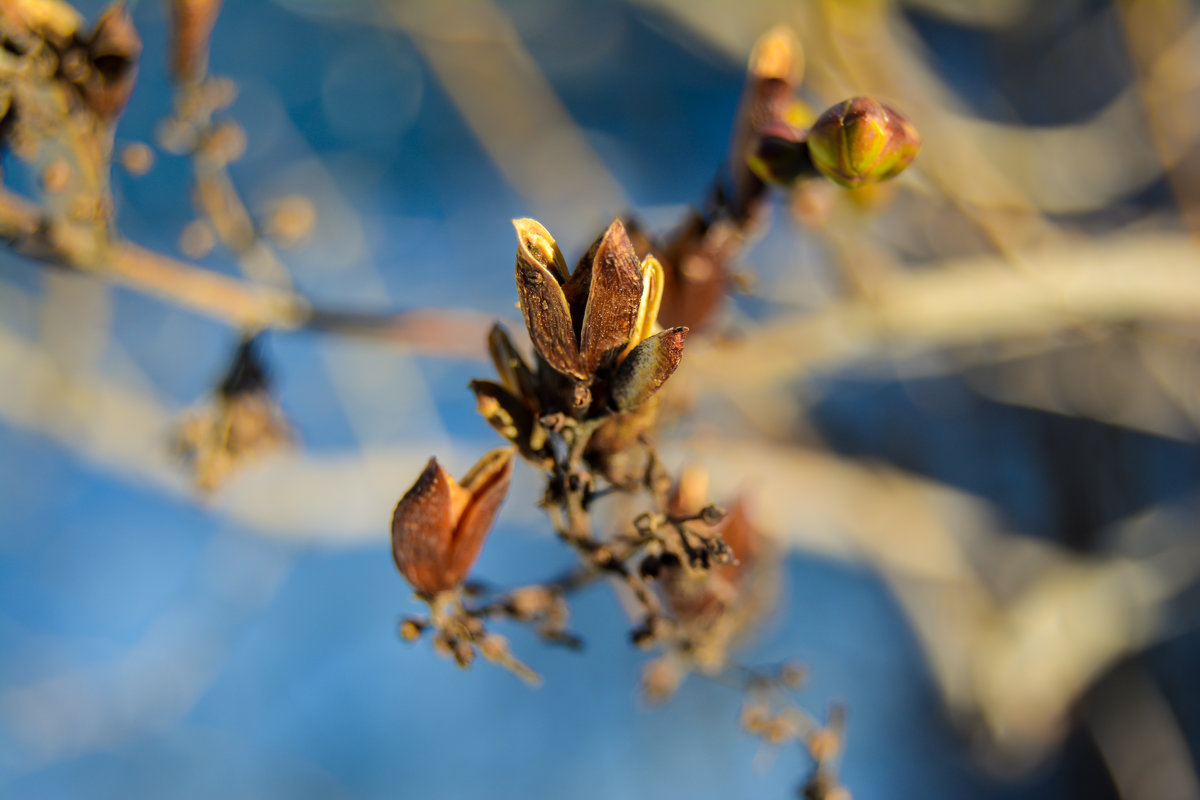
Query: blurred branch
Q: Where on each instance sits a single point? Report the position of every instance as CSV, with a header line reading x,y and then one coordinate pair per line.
x,y
458,334
1141,739
963,303
512,109
1015,629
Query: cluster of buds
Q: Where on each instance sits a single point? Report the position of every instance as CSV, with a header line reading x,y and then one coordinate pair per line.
x,y
768,714
777,140
713,602
242,424
599,357
62,87
857,142
46,39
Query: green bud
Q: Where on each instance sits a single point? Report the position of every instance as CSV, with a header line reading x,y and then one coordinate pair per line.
x,y
860,141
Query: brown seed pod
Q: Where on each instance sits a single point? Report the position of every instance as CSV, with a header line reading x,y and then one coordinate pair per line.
x,y
439,525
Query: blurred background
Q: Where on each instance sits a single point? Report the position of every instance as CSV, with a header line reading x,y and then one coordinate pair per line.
x,y
965,401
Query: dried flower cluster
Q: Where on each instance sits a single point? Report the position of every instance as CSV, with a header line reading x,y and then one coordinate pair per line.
x,y
697,579
583,409
242,423
62,87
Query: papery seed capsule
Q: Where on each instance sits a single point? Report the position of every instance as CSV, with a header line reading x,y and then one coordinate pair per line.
x,y
861,141
439,525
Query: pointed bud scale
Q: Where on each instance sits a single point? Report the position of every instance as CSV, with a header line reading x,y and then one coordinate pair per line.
x,y
511,418
439,525
860,141
613,298
514,373
647,368
543,304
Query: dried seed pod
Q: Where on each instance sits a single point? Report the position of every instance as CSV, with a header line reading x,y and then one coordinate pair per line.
x,y
646,368
439,525
860,141
539,274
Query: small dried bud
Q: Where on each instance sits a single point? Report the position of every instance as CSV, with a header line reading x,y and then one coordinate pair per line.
x,y
861,141
823,745
531,601
410,629
660,679
290,220
439,525
443,646
778,729
197,239
754,717
494,647
137,158
225,144
711,515
777,56
793,674
643,635
464,654
56,176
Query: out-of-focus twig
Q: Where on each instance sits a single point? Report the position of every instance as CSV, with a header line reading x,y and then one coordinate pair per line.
x,y
511,108
241,304
968,302
1140,739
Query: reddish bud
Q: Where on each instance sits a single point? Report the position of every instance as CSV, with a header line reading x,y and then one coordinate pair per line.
x,y
861,141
